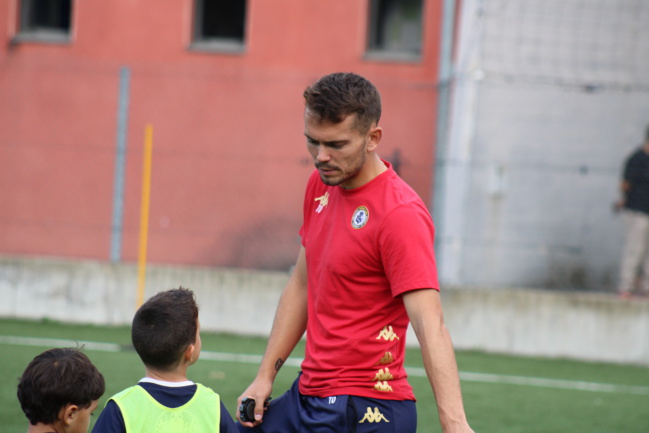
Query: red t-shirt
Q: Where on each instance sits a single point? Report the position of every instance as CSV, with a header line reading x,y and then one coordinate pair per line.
x,y
364,247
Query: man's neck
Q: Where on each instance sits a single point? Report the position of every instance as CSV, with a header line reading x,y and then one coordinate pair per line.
x,y
374,166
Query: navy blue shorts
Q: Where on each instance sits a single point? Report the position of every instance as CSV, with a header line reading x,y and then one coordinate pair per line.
x,y
292,412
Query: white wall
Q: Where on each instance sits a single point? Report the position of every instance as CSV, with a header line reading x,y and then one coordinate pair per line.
x,y
549,99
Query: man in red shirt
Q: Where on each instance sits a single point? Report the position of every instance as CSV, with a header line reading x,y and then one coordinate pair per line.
x,y
365,270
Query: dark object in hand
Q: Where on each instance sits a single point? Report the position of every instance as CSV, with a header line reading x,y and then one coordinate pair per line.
x,y
247,409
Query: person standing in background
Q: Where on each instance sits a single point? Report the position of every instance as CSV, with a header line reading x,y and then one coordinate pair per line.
x,y
634,205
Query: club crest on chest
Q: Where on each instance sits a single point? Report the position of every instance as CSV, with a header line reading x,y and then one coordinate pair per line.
x,y
360,217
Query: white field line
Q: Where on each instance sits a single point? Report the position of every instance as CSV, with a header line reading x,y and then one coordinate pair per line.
x,y
53,342
468,376
465,376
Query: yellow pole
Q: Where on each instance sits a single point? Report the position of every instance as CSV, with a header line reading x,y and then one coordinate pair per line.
x,y
144,212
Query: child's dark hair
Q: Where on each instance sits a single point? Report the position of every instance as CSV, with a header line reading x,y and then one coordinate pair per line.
x,y
164,326
55,378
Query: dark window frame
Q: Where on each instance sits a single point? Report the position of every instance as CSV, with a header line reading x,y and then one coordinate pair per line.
x,y
231,39
378,43
39,21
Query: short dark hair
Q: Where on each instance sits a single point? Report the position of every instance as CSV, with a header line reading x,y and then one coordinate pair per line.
x,y
335,96
164,326
55,378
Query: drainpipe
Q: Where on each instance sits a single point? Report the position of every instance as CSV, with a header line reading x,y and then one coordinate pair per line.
x,y
443,108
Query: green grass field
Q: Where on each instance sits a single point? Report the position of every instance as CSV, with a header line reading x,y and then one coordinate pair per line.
x,y
502,394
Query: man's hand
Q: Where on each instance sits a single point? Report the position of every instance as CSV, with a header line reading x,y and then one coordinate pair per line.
x,y
259,390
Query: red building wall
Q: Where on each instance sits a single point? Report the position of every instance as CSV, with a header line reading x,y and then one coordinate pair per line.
x,y
229,161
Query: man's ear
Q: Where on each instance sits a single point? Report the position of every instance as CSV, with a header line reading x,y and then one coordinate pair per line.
x,y
374,137
68,414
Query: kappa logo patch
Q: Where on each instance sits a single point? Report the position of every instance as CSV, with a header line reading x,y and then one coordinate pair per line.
x,y
388,334
324,201
382,375
386,359
375,416
383,386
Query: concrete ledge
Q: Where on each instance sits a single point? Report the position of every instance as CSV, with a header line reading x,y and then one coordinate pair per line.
x,y
585,326
106,294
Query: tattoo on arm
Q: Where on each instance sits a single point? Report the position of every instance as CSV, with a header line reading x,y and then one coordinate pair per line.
x,y
278,364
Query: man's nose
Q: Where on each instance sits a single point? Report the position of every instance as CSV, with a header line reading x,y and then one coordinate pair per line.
x,y
323,153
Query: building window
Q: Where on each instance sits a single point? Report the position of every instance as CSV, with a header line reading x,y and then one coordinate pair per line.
x,y
219,25
45,20
395,29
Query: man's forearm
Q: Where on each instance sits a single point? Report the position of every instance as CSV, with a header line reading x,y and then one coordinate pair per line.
x,y
289,324
425,312
443,375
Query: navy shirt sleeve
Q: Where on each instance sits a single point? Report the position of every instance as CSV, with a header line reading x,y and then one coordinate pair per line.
x,y
110,420
227,423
